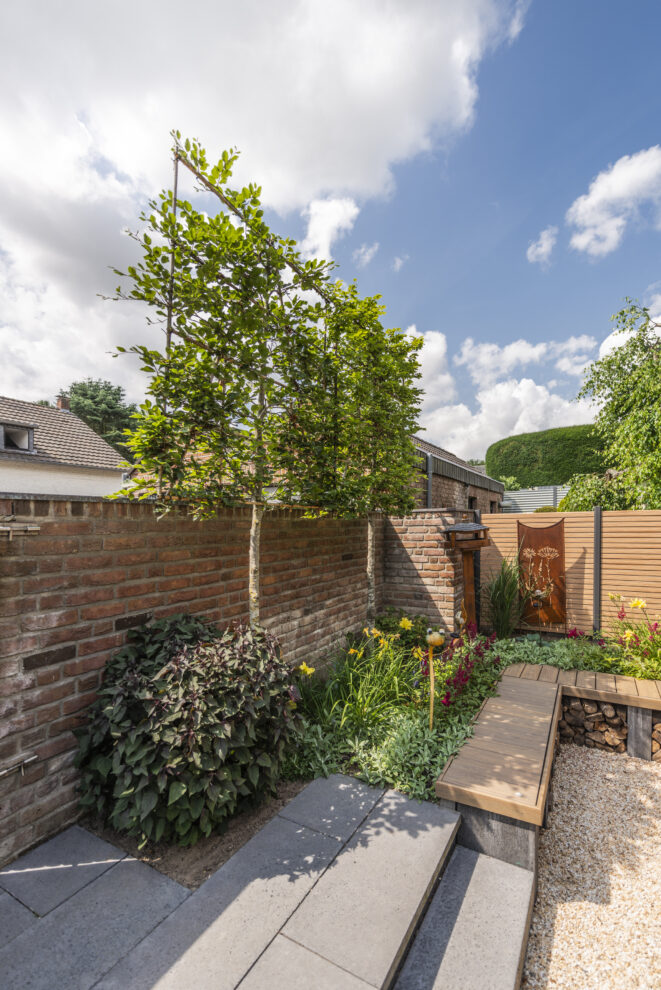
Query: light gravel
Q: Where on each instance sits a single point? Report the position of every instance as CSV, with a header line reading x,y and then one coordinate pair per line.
x,y
597,918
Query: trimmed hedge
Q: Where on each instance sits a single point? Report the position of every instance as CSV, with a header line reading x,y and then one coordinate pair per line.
x,y
550,457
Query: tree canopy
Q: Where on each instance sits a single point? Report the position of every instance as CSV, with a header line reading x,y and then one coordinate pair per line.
x,y
276,383
103,407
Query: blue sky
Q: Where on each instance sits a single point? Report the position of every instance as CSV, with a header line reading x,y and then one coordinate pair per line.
x,y
447,136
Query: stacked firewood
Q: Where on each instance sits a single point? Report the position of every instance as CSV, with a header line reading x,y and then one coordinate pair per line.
x,y
595,724
656,736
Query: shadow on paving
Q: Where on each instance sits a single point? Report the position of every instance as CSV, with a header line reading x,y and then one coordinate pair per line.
x,y
130,928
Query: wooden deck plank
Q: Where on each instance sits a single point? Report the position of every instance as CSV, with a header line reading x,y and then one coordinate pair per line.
x,y
626,685
605,682
647,689
567,677
585,679
514,670
531,671
548,673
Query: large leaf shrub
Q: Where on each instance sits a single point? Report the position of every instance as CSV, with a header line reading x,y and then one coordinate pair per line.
x,y
189,724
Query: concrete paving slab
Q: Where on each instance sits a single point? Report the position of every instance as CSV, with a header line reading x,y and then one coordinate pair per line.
x,y
475,930
334,805
286,965
56,869
79,941
361,914
14,918
212,940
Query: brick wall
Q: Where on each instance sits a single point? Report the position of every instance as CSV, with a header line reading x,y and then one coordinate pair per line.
x,y
449,493
69,593
421,575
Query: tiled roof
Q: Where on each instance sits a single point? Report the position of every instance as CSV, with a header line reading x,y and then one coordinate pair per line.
x,y
59,437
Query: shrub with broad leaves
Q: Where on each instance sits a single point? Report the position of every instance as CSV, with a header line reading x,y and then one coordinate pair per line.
x,y
189,725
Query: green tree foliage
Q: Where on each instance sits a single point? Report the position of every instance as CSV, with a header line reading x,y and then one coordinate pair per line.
x,y
549,457
102,406
626,386
275,383
588,490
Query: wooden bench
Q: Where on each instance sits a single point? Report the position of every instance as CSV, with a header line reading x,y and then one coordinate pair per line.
x,y
500,781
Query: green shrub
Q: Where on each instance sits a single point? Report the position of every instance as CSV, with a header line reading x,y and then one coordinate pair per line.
x,y
503,599
371,717
638,636
549,457
395,622
546,508
189,724
588,490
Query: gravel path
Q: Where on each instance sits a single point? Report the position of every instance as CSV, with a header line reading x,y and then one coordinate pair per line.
x,y
597,918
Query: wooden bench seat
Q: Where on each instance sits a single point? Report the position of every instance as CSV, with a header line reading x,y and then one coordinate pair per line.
x,y
500,780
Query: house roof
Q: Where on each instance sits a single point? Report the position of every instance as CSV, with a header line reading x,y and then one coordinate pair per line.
x,y
60,437
468,473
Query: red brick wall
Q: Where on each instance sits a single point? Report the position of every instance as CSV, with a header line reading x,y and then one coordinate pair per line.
x,y
421,575
447,493
69,593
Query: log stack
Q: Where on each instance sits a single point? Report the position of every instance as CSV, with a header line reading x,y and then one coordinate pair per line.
x,y
595,724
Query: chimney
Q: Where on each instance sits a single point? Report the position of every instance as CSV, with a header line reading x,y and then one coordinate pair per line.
x,y
63,403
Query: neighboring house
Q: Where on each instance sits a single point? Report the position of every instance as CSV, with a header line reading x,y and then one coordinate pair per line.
x,y
46,451
450,483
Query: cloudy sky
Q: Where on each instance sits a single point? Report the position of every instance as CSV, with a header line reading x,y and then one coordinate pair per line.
x,y
491,167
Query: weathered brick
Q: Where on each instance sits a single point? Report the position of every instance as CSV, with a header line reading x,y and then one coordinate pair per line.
x,y
48,657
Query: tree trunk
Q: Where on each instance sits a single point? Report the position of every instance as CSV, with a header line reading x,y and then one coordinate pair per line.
x,y
371,568
253,564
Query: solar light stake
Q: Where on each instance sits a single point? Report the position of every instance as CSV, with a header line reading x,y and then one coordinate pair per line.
x,y
433,639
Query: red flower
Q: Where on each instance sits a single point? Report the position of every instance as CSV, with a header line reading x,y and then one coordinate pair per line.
x,y
622,613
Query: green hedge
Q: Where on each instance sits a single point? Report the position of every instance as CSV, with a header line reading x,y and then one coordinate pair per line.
x,y
549,457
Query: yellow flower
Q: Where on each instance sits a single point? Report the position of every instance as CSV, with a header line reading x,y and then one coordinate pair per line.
x,y
375,632
637,603
366,631
628,634
405,623
307,671
382,642
353,651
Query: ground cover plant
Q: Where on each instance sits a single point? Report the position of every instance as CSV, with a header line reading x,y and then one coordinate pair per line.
x,y
370,717
631,647
190,725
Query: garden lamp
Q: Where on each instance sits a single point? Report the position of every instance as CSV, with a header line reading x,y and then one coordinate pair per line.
x,y
434,638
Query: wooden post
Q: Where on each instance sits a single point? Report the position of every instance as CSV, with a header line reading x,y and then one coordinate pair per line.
x,y
469,585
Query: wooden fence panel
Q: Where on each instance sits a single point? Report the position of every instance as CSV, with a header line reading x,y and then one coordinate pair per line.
x,y
630,559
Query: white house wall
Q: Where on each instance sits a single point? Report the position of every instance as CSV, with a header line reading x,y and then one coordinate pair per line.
x,y
18,478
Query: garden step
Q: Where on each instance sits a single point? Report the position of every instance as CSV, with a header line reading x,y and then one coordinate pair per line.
x,y
361,914
475,931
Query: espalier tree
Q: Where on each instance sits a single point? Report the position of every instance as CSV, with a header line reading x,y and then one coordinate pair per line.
x,y
276,384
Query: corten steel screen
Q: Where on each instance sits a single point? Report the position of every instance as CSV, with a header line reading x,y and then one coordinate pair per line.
x,y
542,560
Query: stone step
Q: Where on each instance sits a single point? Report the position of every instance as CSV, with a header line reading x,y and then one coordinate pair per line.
x,y
475,931
361,914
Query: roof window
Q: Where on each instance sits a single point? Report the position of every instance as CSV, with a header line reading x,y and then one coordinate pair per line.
x,y
17,437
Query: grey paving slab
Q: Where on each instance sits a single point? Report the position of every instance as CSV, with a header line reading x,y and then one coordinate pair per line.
x,y
475,930
14,918
74,945
56,869
286,965
214,938
362,912
334,805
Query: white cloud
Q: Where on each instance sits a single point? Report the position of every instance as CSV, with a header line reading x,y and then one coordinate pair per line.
x,y
539,251
505,408
437,381
327,219
364,254
487,363
399,261
615,198
306,90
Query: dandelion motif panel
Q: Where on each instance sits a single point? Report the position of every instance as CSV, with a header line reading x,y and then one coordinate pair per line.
x,y
542,559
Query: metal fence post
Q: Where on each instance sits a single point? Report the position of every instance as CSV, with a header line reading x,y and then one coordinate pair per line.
x,y
596,569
